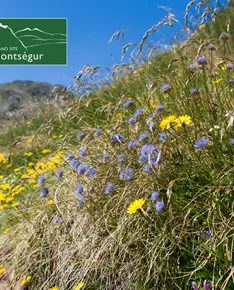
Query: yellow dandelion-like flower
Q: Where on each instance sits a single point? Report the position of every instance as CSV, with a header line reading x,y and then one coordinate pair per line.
x,y
79,286
26,280
7,230
182,120
46,151
3,206
50,202
2,196
61,136
5,186
202,26
28,123
136,205
217,81
54,288
15,204
2,269
1,176
29,154
9,165
24,175
9,199
223,67
30,164
168,122
2,159
36,185
30,140
55,137
16,170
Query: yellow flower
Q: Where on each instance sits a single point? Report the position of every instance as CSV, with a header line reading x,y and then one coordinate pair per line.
x,y
9,165
31,181
46,151
9,199
54,288
30,164
5,186
182,120
2,159
167,122
50,202
16,170
223,67
28,123
3,206
79,286
29,154
217,81
135,205
2,196
24,175
15,204
26,280
55,137
7,230
1,176
202,26
2,269
61,136
30,140
36,185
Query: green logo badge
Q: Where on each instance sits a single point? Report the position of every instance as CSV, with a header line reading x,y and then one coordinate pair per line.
x,y
33,41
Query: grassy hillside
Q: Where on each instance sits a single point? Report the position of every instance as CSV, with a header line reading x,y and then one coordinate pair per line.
x,y
130,187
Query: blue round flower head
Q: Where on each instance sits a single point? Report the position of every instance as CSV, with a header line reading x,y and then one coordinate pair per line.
x,y
149,154
120,158
126,174
75,163
229,65
147,168
194,91
211,47
132,121
109,187
58,219
162,136
154,195
44,192
139,112
117,138
202,60
81,169
83,152
152,125
192,67
159,109
230,81
59,173
91,172
232,142
105,157
207,233
70,156
166,88
159,206
97,132
80,203
79,189
143,136
201,143
41,179
132,144
81,135
224,36
128,103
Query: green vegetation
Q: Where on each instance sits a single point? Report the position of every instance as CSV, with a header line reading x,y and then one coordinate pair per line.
x,y
144,203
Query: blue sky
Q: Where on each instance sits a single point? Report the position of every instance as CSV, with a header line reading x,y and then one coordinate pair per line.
x,y
90,25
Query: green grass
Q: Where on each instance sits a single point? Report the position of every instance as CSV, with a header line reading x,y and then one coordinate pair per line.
x,y
99,242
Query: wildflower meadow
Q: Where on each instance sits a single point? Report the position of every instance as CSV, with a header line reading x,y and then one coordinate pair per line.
x,y
129,186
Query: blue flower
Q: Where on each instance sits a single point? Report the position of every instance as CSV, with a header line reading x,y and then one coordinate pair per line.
x,y
154,195
41,179
229,65
75,163
192,67
224,36
166,88
70,156
105,157
159,206
91,172
232,142
81,169
83,152
230,81
126,174
80,203
162,136
201,143
79,189
128,103
207,233
81,135
132,121
194,91
109,187
211,47
97,132
59,174
139,112
132,144
44,192
117,138
160,108
152,125
149,154
58,219
120,157
147,168
202,60
143,136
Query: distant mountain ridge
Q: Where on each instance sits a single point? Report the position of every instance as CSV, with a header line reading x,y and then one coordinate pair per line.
x,y
16,97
